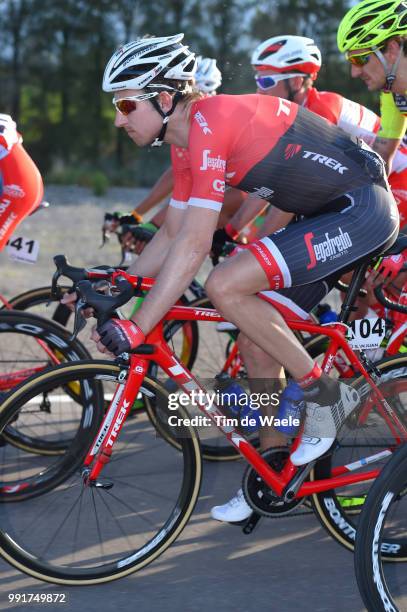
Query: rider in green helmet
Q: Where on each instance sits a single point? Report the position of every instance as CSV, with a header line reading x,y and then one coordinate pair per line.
x,y
373,36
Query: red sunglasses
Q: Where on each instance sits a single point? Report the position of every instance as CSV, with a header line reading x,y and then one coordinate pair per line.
x,y
127,105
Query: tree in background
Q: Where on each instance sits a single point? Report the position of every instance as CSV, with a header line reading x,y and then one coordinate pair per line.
x,y
53,55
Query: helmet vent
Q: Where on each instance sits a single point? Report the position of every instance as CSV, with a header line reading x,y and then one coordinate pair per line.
x,y
295,60
272,49
163,51
133,72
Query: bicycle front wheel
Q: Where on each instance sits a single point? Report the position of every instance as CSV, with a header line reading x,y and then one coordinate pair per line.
x,y
80,533
383,586
365,434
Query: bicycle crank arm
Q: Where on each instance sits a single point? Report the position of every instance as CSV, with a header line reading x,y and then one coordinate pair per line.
x,y
295,483
251,523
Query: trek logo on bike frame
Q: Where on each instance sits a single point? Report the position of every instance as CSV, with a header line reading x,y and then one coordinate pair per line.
x,y
330,248
205,313
118,423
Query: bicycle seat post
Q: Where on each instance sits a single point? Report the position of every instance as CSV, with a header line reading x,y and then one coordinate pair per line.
x,y
356,283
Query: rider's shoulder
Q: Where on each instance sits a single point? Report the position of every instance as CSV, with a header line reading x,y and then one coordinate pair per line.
x,y
210,114
327,104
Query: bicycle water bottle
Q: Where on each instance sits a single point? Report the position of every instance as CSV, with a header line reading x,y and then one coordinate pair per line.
x,y
325,314
291,406
235,403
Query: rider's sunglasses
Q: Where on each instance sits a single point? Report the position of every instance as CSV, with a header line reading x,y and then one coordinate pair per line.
x,y
268,81
361,59
127,105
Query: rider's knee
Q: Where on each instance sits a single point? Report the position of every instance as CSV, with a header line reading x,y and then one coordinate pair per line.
x,y
218,286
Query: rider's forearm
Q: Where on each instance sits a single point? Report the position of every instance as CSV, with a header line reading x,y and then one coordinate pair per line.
x,y
150,261
251,207
386,148
159,217
174,278
275,220
162,189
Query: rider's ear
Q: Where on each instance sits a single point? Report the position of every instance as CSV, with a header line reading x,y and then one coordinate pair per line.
x,y
393,49
297,82
165,101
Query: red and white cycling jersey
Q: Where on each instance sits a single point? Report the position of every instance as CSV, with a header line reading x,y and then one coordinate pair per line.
x,y
353,118
359,121
268,146
22,183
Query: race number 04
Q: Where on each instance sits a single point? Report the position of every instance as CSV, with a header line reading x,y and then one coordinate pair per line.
x,y
367,327
366,333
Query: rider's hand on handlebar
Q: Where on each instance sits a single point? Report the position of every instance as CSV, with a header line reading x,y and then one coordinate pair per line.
x,y
95,336
387,271
137,237
69,300
118,336
114,220
220,238
131,244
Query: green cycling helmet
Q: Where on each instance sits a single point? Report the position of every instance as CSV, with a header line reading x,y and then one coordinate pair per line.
x,y
370,23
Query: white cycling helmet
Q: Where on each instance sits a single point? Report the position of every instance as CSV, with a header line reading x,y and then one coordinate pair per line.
x,y
137,64
208,77
288,54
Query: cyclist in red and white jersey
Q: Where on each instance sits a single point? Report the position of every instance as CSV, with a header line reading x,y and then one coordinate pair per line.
x,y
207,79
287,66
22,187
281,152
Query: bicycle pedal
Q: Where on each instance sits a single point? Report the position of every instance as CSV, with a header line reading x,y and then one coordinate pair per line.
x,y
250,524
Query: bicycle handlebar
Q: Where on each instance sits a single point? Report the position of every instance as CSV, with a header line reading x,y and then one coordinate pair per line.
x,y
137,232
226,250
104,306
387,302
345,288
64,268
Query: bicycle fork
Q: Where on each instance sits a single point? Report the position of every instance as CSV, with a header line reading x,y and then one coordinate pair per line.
x,y
129,383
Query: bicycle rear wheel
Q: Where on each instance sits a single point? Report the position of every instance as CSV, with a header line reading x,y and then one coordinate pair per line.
x,y
39,301
209,348
79,534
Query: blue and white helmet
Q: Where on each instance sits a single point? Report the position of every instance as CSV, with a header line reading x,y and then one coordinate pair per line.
x,y
137,64
208,77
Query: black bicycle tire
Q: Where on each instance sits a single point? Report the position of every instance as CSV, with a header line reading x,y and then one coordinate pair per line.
x,y
70,459
368,562
41,295
57,337
331,514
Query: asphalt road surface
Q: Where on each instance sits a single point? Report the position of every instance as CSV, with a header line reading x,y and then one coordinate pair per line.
x,y
285,565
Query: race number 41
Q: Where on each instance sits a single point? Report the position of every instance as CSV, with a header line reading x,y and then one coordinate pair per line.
x,y
23,249
366,333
